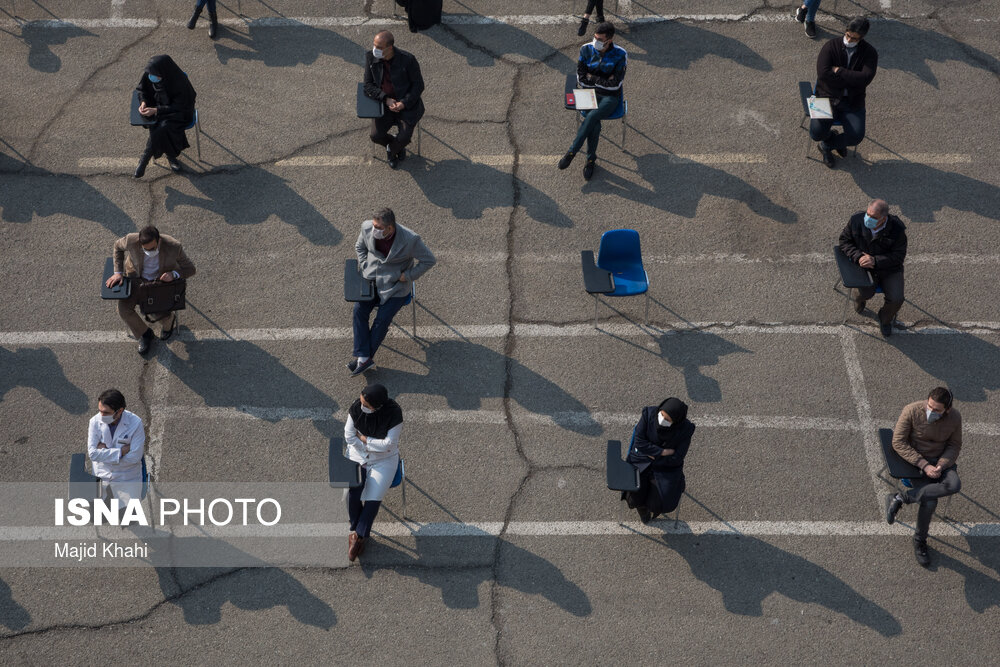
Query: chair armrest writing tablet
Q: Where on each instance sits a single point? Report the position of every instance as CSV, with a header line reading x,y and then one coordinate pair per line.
x,y
595,279
851,273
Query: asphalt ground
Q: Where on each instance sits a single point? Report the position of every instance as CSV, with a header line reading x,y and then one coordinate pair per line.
x,y
513,551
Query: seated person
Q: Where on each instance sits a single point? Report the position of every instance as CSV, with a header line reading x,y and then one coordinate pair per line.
x,y
392,76
662,438
166,95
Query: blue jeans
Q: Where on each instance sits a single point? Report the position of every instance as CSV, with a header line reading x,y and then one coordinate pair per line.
x,y
368,339
362,515
854,128
201,4
590,128
811,7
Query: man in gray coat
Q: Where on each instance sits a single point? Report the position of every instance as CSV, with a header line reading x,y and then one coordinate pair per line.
x,y
392,256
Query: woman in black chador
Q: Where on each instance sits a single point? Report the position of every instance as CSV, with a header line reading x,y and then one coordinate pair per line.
x,y
661,441
166,95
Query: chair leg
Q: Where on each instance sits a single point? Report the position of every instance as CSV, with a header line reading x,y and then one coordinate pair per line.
x,y
847,303
623,127
420,134
595,311
413,310
197,136
647,307
677,512
404,496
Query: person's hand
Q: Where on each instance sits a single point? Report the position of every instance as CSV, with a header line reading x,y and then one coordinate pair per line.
x,y
933,471
101,445
667,452
114,280
867,262
126,449
836,69
397,107
402,277
145,110
363,438
167,277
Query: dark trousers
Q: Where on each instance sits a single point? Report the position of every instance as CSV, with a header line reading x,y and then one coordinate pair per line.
x,y
892,287
595,4
660,493
211,5
854,128
367,339
362,515
926,491
590,128
380,131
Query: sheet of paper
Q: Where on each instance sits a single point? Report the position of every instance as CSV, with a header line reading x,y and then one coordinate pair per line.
x,y
819,107
585,98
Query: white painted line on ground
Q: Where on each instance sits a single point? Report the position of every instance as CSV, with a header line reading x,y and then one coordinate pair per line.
x,y
116,8
478,331
325,161
921,158
158,396
885,4
107,162
869,429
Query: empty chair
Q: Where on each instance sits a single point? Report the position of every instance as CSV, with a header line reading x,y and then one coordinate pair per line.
x,y
618,270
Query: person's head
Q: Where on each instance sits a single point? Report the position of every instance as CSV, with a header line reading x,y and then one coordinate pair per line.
x,y
111,405
672,411
855,31
160,67
876,214
373,397
938,403
603,34
149,239
384,223
382,45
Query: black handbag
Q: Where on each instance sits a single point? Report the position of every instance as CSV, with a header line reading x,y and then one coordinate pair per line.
x,y
159,297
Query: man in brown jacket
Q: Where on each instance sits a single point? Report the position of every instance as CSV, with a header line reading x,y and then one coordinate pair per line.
x,y
151,256
928,435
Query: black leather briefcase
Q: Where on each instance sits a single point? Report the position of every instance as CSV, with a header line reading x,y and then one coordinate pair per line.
x,y
156,296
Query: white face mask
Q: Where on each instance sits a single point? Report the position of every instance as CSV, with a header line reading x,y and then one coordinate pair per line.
x,y
598,44
663,420
365,409
377,52
378,233
151,253
849,45
107,419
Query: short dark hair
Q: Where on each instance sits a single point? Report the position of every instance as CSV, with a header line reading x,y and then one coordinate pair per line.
x,y
942,396
859,25
148,233
605,28
385,216
112,398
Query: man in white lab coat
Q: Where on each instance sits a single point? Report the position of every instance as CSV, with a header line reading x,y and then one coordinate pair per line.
x,y
115,444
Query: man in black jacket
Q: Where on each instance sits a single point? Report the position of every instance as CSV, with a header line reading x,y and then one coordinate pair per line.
x,y
877,242
392,76
844,69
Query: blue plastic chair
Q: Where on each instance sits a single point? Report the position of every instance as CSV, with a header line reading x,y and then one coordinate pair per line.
x,y
400,479
619,112
621,256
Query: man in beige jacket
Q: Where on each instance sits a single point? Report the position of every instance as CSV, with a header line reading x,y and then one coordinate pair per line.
x,y
928,435
151,256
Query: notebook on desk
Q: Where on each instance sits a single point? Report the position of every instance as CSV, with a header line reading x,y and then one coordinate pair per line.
x,y
586,98
819,107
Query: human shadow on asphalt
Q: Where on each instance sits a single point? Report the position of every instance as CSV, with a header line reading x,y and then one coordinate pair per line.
x,y
469,188
241,375
910,49
981,590
34,191
677,45
12,615
920,191
41,37
284,45
964,363
465,373
677,186
250,196
39,368
484,45
746,571
516,568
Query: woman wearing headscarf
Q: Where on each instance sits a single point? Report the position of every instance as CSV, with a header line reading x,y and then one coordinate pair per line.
x,y
661,441
374,423
166,95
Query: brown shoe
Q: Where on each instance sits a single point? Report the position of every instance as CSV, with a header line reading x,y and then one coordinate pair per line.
x,y
353,546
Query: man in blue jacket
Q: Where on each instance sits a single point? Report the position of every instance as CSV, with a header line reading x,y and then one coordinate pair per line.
x,y
392,76
601,66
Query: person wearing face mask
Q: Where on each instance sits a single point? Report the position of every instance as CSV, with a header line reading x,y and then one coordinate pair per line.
x,y
876,241
151,256
374,423
601,66
845,67
928,435
660,443
392,76
392,256
166,94
115,442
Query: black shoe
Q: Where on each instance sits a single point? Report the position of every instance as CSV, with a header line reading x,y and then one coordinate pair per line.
x,y
842,152
859,306
886,329
920,551
583,27
811,29
352,365
167,333
644,514
145,340
800,14
175,166
393,160
588,169
143,162
361,368
194,18
892,504
401,155
213,25
566,159
600,18
827,156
